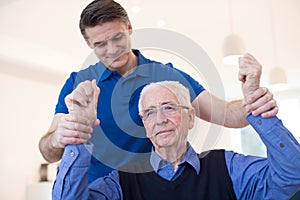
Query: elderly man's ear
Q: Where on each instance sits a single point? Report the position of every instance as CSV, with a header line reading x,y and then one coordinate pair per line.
x,y
191,117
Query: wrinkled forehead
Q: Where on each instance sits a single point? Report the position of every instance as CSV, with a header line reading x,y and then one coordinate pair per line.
x,y
106,30
158,95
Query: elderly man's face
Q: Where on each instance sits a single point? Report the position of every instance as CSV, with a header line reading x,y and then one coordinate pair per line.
x,y
168,122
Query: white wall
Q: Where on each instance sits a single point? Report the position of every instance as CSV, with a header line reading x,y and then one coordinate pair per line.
x,y
26,107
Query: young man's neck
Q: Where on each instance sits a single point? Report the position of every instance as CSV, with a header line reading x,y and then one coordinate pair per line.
x,y
131,64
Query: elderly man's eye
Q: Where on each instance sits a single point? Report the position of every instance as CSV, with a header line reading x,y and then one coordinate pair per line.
x,y
150,112
169,108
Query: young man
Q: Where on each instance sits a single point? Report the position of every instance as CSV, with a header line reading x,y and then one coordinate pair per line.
x,y
174,170
120,75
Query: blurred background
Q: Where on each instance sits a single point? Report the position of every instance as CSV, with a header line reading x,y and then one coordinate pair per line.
x,y
40,45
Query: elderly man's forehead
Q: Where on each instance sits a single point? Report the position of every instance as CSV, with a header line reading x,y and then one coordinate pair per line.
x,y
159,94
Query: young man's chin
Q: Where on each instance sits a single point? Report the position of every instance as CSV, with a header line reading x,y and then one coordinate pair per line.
x,y
119,62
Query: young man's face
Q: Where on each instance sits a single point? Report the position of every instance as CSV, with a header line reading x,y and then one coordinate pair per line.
x,y
164,127
111,43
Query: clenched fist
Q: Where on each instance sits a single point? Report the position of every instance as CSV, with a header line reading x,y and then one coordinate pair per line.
x,y
83,101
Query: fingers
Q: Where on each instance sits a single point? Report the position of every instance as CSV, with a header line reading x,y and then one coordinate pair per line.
x,y
264,108
86,90
249,74
82,95
96,93
262,103
270,113
76,127
75,118
248,65
263,96
97,122
86,94
257,94
72,129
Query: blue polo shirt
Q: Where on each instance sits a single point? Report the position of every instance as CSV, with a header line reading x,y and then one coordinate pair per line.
x,y
120,138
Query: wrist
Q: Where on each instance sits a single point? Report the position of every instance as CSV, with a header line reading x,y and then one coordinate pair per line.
x,y
246,107
52,144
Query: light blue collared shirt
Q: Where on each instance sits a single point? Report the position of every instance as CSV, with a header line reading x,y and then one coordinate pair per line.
x,y
165,169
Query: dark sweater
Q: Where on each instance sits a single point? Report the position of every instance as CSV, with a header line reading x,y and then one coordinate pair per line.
x,y
213,182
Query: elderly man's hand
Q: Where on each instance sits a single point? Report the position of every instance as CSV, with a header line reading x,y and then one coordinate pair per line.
x,y
258,100
76,126
83,101
249,74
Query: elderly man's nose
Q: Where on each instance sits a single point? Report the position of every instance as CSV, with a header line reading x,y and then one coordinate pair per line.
x,y
160,116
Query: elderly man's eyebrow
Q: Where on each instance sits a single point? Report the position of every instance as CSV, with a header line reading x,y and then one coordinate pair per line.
x,y
168,102
163,103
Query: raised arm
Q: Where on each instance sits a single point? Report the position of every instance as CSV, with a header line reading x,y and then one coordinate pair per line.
x,y
233,114
65,128
274,177
71,180
257,101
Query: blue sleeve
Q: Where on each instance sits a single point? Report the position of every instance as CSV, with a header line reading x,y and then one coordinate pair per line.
x,y
274,177
72,177
198,88
68,87
195,85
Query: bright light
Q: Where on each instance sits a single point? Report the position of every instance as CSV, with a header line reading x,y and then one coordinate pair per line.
x,y
161,23
278,87
232,60
136,9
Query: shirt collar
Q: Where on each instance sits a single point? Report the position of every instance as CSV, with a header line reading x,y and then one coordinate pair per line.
x,y
191,157
142,60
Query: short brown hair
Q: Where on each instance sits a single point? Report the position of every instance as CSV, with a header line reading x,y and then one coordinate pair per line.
x,y
99,12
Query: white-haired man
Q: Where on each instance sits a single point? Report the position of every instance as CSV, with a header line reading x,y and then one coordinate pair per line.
x,y
177,171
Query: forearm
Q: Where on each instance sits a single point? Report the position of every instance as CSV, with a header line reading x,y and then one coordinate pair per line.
x,y
72,177
215,110
274,177
283,155
71,180
235,116
50,153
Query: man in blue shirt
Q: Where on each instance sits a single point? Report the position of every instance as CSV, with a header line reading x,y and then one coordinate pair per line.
x,y
120,74
174,170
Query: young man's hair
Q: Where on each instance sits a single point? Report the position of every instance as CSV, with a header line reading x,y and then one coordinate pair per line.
x,y
99,12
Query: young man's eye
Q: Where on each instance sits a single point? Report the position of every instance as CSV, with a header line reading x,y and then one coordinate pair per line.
x,y
117,37
102,44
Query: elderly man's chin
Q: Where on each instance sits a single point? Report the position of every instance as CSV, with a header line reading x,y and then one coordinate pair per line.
x,y
164,139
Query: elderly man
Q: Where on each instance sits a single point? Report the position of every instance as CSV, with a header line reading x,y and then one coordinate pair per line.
x,y
178,172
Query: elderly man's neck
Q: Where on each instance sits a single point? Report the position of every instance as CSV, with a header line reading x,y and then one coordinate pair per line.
x,y
174,154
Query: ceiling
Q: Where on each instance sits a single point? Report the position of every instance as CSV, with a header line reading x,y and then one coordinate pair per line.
x,y
40,35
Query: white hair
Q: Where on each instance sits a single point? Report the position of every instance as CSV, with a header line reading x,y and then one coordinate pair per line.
x,y
180,91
